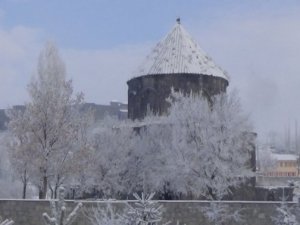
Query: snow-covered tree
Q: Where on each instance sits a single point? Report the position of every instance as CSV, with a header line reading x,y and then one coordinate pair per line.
x,y
49,117
75,162
202,148
20,148
6,222
103,215
151,148
10,186
211,145
127,157
220,214
266,161
109,157
284,215
144,211
58,210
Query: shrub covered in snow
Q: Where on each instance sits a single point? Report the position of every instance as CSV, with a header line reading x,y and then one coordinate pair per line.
x,y
58,210
144,211
220,214
103,215
6,222
284,215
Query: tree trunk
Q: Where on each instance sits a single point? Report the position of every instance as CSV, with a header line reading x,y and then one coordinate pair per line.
x,y
24,185
52,192
45,186
56,186
40,193
55,192
24,190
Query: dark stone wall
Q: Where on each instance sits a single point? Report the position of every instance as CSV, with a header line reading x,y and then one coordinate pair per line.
x,y
264,181
274,193
186,212
150,91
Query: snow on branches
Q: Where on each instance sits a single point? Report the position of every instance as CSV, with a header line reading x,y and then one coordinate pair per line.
x,y
220,214
284,215
47,129
211,144
58,211
201,149
6,222
103,215
144,211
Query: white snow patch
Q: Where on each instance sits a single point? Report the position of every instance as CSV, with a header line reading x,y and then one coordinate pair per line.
x,y
179,53
285,157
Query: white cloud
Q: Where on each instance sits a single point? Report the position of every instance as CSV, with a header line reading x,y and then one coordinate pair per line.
x,y
18,52
102,74
262,56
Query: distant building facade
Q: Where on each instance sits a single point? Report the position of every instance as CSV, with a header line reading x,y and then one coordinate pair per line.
x,y
114,109
286,165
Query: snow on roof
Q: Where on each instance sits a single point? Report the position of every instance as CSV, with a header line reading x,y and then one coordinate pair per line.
x,y
179,53
285,157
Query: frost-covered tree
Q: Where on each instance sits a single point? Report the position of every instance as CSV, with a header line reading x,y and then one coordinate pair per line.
x,y
6,222
103,215
284,215
68,166
148,166
20,148
128,157
219,214
202,148
58,210
266,161
9,185
50,118
122,158
144,211
211,144
109,158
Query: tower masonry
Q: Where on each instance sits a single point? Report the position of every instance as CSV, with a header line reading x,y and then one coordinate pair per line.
x,y
175,62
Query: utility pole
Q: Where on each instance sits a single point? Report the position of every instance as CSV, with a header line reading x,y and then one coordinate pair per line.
x,y
289,138
296,146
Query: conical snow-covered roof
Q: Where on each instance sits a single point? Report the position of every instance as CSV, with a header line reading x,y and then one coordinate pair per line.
x,y
179,53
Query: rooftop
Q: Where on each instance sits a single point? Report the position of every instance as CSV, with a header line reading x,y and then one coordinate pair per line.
x,y
285,157
179,53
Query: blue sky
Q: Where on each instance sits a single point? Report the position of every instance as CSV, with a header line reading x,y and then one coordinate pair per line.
x,y
109,23
101,24
103,41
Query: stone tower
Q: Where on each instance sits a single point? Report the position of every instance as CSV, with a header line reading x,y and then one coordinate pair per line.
x,y
175,62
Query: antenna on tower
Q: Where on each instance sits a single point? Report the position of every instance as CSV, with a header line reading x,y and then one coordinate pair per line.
x,y
178,20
